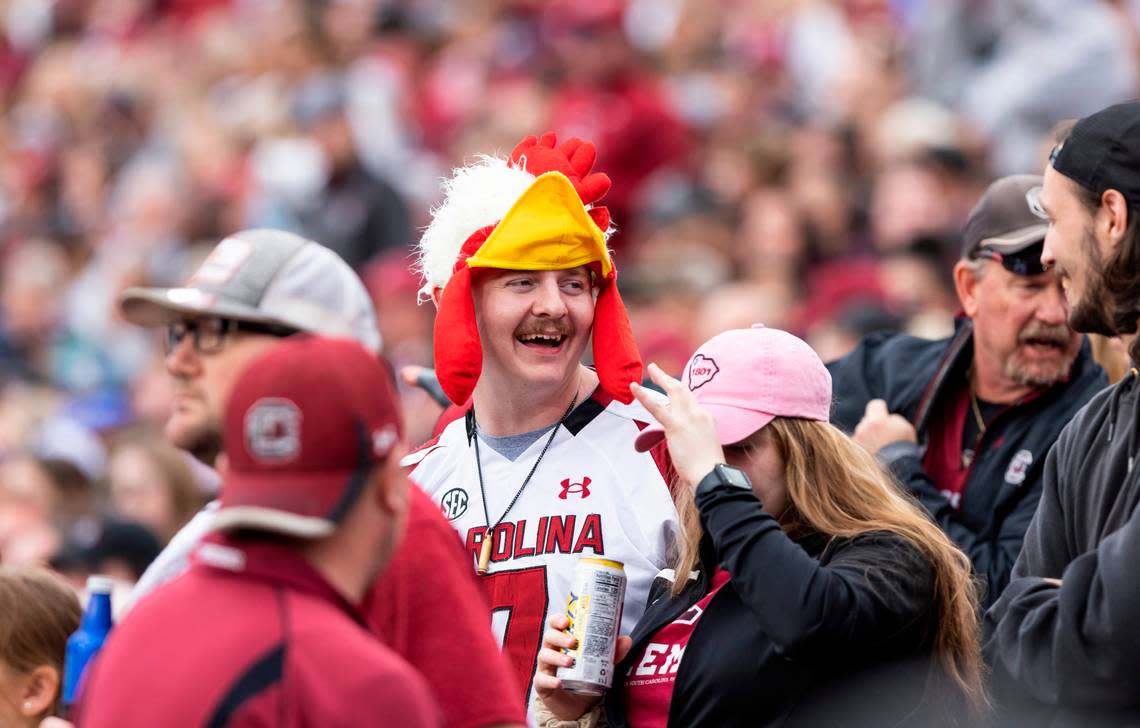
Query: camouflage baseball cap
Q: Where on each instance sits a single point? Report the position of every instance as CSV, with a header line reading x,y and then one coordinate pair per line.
x,y
269,277
1007,219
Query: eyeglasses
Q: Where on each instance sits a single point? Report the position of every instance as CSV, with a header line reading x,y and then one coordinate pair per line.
x,y
209,334
1023,263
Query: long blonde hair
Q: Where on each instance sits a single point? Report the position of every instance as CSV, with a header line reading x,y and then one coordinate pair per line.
x,y
838,489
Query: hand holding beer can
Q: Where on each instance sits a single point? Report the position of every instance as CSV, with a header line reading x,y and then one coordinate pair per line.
x,y
594,607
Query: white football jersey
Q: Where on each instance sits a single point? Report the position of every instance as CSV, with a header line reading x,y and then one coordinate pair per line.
x,y
592,495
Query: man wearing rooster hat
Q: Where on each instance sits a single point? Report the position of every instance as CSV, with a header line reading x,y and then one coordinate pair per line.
x,y
542,469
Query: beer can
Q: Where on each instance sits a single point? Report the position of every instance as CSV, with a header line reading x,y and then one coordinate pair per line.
x,y
594,607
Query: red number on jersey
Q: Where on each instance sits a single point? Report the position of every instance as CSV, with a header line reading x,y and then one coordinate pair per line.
x,y
522,594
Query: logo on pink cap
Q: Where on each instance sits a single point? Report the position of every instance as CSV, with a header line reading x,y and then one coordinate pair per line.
x,y
702,369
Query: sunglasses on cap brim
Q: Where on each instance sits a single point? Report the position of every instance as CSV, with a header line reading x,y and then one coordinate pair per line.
x,y
1023,263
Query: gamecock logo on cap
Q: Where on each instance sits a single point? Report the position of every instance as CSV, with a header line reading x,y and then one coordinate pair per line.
x,y
273,430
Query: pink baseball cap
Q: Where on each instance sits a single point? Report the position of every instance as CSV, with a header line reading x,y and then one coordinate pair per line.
x,y
747,377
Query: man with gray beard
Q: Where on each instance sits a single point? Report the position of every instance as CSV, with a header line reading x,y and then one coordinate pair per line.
x,y
964,423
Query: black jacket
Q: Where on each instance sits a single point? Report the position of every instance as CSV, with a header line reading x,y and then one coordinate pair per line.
x,y
914,376
803,634
1070,656
359,216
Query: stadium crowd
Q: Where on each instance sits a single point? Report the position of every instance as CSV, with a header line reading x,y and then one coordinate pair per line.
x,y
826,167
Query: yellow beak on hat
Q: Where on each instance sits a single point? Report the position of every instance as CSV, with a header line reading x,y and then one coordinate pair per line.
x,y
547,228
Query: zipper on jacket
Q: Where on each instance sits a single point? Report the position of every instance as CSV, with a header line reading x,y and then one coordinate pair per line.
x,y
667,618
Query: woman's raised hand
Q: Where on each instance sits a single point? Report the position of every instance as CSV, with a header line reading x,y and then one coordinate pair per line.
x,y
690,430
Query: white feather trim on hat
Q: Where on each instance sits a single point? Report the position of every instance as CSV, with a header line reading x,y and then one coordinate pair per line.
x,y
475,196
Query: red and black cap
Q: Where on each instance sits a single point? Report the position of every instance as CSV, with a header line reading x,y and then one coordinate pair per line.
x,y
304,427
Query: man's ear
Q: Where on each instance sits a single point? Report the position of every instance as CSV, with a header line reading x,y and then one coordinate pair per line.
x,y
1112,218
436,295
391,488
222,465
966,279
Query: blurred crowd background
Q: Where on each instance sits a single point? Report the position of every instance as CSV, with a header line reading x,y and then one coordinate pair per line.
x,y
803,163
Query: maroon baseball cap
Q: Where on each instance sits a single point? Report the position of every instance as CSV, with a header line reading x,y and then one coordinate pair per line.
x,y
1102,152
304,427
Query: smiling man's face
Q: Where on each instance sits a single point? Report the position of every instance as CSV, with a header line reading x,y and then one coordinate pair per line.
x,y
534,325
1073,250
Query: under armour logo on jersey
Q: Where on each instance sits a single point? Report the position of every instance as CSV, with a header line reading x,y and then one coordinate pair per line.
x,y
568,487
453,504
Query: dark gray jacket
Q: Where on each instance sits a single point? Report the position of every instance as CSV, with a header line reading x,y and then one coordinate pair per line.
x,y
1070,656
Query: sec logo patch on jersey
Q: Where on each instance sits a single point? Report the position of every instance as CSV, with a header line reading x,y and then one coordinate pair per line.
x,y
453,504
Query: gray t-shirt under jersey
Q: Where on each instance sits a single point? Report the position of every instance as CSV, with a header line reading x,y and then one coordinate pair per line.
x,y
511,446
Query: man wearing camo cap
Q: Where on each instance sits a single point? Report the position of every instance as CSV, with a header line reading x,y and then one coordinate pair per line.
x,y
964,422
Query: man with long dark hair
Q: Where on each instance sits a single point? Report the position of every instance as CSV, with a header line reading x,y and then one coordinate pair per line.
x,y
1064,638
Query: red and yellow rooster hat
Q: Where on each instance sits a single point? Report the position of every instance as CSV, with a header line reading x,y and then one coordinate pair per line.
x,y
536,210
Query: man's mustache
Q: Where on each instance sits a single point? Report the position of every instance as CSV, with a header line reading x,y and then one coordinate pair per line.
x,y
1055,334
545,328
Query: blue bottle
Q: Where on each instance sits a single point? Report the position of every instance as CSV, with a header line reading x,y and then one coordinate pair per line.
x,y
86,641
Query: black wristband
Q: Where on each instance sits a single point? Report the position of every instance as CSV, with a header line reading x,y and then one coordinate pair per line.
x,y
724,476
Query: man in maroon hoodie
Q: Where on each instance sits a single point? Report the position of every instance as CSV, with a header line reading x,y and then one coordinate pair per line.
x,y
265,628
255,288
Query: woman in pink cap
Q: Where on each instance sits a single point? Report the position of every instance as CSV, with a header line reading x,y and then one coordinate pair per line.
x,y
808,590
